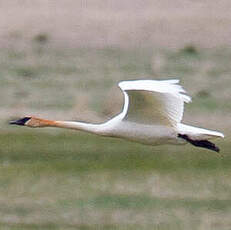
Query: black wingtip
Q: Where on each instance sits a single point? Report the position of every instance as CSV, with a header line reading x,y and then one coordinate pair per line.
x,y
21,121
200,143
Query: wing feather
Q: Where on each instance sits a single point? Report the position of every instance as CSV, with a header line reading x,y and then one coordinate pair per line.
x,y
154,102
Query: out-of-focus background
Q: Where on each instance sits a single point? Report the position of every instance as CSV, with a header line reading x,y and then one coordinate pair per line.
x,y
63,60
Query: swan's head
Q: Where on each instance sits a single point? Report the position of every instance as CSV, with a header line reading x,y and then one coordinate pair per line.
x,y
32,122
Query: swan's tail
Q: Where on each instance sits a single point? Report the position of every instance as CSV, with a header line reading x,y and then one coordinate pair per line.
x,y
199,137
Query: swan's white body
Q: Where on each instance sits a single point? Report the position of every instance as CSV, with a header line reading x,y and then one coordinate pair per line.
x,y
152,115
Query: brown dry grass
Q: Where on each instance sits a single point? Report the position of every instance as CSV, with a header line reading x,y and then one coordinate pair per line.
x,y
118,23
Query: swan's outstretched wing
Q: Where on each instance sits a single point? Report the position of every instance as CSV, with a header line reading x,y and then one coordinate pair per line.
x,y
153,102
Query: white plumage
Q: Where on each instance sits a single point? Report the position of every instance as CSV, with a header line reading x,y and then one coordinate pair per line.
x,y
164,100
152,114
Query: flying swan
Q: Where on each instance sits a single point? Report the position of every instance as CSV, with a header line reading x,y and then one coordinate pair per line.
x,y
151,115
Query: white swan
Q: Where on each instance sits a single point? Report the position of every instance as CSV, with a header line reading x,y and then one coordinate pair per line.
x,y
152,115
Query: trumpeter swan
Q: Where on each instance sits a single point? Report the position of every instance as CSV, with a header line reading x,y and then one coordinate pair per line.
x,y
151,114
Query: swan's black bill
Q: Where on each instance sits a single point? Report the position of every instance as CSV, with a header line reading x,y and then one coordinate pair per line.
x,y
20,121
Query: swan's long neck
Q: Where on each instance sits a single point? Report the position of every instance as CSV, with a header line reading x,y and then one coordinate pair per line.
x,y
34,122
87,127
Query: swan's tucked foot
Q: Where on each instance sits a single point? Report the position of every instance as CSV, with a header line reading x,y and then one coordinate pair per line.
x,y
200,143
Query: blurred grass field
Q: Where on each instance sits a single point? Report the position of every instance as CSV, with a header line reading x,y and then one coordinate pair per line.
x,y
74,181
81,83
63,61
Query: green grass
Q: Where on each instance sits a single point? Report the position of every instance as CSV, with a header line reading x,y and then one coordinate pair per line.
x,y
68,180
88,152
